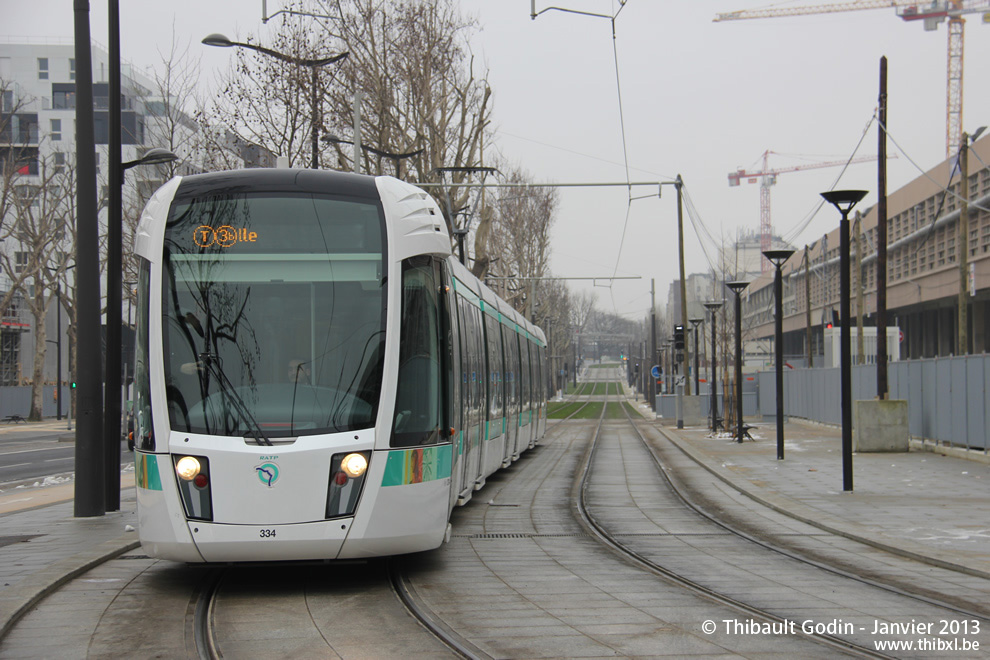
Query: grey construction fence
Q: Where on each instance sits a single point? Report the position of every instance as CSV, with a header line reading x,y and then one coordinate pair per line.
x,y
947,397
17,401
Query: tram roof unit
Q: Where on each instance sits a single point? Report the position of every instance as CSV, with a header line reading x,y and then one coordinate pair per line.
x,y
326,182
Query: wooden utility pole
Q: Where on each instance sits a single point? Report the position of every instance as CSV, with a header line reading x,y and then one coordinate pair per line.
x,y
882,237
963,347
858,230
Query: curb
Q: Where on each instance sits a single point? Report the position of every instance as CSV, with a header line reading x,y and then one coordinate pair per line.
x,y
815,518
16,601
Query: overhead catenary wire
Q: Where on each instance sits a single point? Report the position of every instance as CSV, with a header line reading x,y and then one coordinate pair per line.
x,y
622,123
797,231
944,188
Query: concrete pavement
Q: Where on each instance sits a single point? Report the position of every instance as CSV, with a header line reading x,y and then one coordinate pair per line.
x,y
925,505
931,503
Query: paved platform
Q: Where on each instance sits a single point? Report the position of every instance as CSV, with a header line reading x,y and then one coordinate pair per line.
x,y
929,504
921,504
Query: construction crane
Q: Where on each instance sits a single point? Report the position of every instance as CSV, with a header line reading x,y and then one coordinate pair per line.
x,y
931,14
768,177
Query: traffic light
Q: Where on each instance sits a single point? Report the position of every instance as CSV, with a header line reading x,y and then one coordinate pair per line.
x,y
678,337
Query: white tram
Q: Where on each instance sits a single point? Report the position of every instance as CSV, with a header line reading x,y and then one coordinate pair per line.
x,y
317,377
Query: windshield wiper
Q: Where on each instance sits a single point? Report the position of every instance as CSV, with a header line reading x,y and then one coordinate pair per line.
x,y
212,363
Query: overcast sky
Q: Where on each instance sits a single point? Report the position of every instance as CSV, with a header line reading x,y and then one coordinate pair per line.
x,y
698,98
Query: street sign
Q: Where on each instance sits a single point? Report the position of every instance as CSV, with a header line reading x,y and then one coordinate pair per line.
x,y
655,371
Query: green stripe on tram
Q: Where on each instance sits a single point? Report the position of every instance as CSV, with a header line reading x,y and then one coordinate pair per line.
x,y
146,473
413,466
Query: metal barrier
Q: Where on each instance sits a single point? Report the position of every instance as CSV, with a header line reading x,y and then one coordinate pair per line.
x,y
947,397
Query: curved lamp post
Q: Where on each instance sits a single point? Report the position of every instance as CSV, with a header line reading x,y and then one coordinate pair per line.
x,y
312,64
112,409
737,288
713,307
396,158
844,201
777,258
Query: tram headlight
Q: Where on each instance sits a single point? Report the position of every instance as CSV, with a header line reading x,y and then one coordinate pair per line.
x,y
346,480
193,474
187,468
354,465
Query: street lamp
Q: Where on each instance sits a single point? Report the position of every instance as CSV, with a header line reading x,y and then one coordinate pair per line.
x,y
111,393
697,351
777,258
312,64
713,307
396,158
737,288
844,201
58,346
153,156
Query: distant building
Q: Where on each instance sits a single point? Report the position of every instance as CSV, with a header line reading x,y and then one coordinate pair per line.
x,y
744,260
699,289
37,136
923,274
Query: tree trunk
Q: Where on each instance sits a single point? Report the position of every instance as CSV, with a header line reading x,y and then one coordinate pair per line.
x,y
38,370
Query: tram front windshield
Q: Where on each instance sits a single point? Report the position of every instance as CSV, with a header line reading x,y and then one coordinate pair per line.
x,y
273,310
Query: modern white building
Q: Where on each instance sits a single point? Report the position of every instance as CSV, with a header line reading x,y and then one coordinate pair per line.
x,y
37,155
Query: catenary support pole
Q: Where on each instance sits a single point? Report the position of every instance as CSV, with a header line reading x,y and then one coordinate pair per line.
x,y
90,466
882,386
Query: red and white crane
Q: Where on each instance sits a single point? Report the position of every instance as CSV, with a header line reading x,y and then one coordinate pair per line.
x,y
931,13
768,177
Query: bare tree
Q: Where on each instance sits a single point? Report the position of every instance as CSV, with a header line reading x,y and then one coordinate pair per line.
x,y
265,100
413,65
519,241
38,236
16,161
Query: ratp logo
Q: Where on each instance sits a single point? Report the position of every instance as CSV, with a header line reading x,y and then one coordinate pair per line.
x,y
267,473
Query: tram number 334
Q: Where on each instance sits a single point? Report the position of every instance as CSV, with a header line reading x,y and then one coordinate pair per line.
x,y
266,533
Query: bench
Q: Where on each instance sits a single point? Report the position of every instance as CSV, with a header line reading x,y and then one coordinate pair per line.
x,y
746,428
17,419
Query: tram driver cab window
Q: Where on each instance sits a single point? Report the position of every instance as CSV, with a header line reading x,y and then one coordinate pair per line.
x,y
418,401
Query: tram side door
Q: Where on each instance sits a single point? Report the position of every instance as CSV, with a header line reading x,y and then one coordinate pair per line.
x,y
453,357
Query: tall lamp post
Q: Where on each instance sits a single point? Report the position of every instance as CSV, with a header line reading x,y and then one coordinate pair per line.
x,y
737,288
777,258
312,64
58,346
89,500
111,393
844,201
697,352
713,307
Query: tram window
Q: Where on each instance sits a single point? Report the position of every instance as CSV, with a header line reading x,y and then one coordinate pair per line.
x,y
143,430
495,394
418,392
524,350
274,314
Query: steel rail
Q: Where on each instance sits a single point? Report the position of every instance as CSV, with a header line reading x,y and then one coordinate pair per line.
x,y
599,533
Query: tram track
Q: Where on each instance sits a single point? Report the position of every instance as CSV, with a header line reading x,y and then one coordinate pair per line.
x,y
228,589
604,535
598,531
